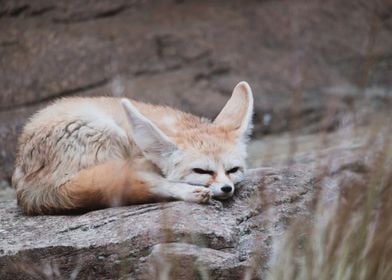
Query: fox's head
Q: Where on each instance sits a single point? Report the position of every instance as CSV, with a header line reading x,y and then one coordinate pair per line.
x,y
200,152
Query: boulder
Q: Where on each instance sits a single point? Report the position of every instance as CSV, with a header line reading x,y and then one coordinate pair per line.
x,y
178,240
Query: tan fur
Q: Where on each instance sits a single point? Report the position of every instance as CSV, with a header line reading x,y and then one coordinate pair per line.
x,y
88,153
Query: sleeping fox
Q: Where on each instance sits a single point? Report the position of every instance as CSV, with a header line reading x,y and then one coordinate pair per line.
x,y
90,153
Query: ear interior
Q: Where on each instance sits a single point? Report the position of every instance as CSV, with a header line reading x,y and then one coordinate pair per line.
x,y
147,136
238,111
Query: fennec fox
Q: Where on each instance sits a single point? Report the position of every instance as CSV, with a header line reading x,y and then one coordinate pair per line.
x,y
90,153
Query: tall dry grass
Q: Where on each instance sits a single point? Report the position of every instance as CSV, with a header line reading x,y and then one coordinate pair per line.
x,y
349,239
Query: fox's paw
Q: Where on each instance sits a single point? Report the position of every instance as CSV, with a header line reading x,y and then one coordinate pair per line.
x,y
199,195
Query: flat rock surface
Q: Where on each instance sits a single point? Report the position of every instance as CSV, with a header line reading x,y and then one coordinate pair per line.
x,y
111,242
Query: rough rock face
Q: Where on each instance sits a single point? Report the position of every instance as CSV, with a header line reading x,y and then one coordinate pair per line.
x,y
124,241
221,240
297,55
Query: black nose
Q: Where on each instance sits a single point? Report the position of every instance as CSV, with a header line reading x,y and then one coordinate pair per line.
x,y
226,189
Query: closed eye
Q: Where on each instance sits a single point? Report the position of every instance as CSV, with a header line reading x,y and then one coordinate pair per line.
x,y
203,171
233,170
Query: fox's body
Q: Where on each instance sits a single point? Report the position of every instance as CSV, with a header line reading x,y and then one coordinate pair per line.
x,y
89,153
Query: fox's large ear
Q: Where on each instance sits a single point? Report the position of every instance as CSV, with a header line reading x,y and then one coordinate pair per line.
x,y
154,144
238,111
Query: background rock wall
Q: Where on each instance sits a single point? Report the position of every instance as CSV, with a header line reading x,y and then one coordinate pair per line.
x,y
297,55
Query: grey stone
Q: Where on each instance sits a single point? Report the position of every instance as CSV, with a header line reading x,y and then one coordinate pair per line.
x,y
111,242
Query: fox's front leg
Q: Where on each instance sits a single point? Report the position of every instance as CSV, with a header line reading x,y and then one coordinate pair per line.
x,y
117,183
164,189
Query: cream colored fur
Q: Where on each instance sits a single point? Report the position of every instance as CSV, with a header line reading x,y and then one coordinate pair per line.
x,y
88,153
